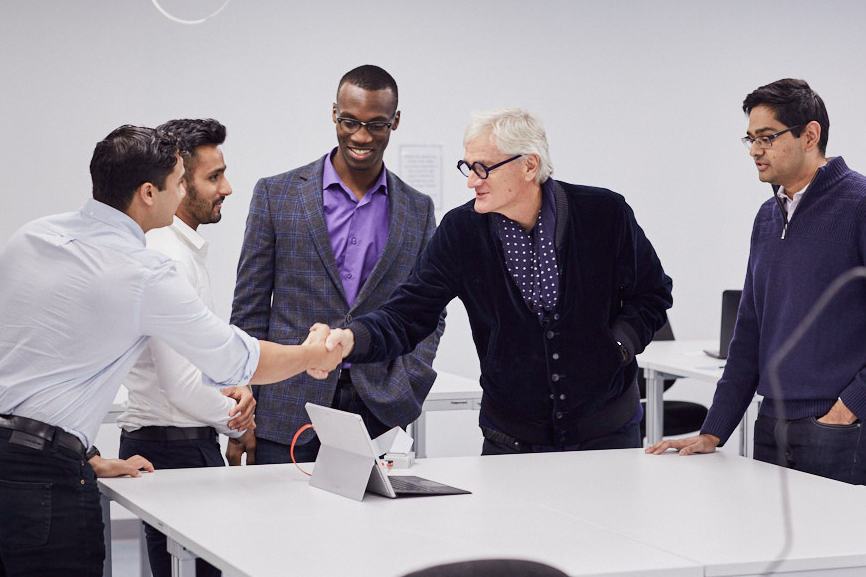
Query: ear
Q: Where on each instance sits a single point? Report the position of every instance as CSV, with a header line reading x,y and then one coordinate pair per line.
x,y
530,167
811,135
334,113
396,120
146,193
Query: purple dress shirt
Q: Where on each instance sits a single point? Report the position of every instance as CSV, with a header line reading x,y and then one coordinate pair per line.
x,y
358,229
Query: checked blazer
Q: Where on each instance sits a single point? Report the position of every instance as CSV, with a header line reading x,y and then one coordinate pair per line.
x,y
288,279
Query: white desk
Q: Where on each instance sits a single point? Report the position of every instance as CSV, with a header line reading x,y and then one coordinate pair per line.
x,y
591,513
670,359
721,510
660,360
266,520
450,392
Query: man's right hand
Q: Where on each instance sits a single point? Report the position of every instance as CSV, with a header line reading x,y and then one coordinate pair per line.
x,y
344,338
236,448
700,444
338,341
323,360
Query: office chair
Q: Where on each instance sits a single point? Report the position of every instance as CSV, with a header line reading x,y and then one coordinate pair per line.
x,y
490,568
680,417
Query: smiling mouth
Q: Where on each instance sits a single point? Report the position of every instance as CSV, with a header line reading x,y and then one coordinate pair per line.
x,y
361,151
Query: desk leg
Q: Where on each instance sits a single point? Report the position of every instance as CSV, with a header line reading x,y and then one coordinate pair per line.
x,y
655,387
747,428
182,561
143,555
419,430
106,532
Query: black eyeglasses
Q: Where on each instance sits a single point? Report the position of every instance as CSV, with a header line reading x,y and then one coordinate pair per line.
x,y
766,141
480,169
352,126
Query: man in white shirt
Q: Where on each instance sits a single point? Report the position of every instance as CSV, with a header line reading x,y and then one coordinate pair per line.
x,y
80,297
172,419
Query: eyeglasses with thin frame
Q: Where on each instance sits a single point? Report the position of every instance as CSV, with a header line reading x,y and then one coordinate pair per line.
x,y
376,127
766,141
481,171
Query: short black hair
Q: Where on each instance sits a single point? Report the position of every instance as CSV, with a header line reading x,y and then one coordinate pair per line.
x,y
191,134
370,77
794,103
129,157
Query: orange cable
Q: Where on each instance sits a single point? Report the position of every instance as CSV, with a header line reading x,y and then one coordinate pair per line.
x,y
292,448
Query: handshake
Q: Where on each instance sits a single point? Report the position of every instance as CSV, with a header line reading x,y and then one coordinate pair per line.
x,y
327,348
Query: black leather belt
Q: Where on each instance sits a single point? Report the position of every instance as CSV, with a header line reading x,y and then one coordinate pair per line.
x,y
502,438
36,434
170,433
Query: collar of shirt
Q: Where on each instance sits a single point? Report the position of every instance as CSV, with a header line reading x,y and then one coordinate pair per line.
x,y
111,216
791,203
189,235
331,183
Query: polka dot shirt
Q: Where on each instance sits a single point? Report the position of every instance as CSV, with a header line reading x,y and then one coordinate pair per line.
x,y
531,259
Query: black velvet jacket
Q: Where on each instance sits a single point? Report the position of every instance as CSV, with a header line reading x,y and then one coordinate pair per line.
x,y
555,384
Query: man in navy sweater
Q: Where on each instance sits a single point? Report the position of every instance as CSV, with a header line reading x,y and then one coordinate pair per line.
x,y
561,286
809,233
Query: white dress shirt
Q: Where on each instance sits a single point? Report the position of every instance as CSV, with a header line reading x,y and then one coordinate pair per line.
x,y
165,389
790,203
80,295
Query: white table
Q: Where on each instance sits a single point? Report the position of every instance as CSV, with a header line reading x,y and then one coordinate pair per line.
x,y
266,520
449,392
680,359
721,510
588,513
660,360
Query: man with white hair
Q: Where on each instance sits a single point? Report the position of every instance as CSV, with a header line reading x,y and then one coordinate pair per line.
x,y
561,286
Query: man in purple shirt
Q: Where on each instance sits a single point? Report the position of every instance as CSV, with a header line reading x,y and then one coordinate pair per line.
x,y
331,240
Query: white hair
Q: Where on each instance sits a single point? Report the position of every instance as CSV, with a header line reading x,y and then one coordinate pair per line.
x,y
513,131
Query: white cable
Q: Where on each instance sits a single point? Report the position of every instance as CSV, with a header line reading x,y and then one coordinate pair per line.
x,y
181,21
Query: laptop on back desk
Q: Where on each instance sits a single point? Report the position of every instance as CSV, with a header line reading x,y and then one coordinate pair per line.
x,y
730,304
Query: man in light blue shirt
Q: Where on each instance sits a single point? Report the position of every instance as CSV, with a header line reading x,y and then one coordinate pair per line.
x,y
80,296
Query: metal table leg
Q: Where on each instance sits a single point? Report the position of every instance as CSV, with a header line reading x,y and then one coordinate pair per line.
x,y
106,532
655,387
182,561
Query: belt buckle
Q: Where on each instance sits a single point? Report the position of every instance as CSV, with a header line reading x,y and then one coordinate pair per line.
x,y
25,439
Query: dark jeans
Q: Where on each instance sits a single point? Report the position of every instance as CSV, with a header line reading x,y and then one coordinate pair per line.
x,y
173,455
345,399
833,451
50,515
628,438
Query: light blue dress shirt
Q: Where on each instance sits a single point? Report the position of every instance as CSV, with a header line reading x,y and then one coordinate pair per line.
x,y
80,295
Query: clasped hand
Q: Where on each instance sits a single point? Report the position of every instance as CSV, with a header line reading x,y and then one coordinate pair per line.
x,y
323,360
336,341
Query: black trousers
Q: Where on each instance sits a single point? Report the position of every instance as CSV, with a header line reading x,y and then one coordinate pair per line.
x,y
50,515
833,451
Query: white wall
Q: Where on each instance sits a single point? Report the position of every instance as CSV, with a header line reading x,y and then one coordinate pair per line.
x,y
639,96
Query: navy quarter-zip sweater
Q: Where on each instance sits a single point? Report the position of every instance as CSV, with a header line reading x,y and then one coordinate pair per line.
x,y
825,238
559,383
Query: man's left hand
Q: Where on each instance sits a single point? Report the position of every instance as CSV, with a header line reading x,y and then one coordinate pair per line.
x,y
838,414
243,415
120,467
